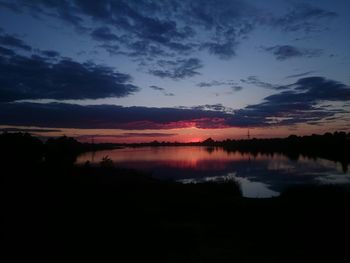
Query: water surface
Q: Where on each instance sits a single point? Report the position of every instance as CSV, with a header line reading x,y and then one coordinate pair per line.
x,y
259,175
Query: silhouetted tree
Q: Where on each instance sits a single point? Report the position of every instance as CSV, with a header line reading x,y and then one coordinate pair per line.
x,y
62,150
20,148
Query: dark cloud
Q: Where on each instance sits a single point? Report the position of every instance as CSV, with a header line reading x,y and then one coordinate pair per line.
x,y
162,90
236,88
106,116
273,113
127,135
299,104
103,34
178,69
283,52
156,88
300,74
320,89
38,78
142,48
224,50
181,48
227,22
14,42
165,25
145,28
215,83
111,49
303,17
173,25
12,6
6,52
254,80
29,130
212,107
64,10
50,53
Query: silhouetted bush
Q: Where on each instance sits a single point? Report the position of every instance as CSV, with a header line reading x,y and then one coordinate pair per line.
x,y
20,148
106,162
63,150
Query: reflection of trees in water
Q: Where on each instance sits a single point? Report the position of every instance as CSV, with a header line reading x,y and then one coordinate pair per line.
x,y
335,147
93,153
210,149
344,167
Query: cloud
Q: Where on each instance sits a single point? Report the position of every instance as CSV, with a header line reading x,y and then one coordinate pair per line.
x,y
179,69
212,107
103,34
224,50
254,80
60,115
163,25
127,135
272,113
6,52
144,50
12,6
14,42
169,94
283,52
38,78
313,89
50,53
29,130
111,49
236,88
300,74
156,88
303,17
301,103
143,29
64,10
215,83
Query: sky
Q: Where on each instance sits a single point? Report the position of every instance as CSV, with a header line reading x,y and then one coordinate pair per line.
x,y
171,70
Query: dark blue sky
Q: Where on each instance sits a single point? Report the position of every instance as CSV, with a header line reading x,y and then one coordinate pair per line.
x,y
190,68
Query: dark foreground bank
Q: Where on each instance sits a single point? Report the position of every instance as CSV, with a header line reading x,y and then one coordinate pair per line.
x,y
54,210
79,213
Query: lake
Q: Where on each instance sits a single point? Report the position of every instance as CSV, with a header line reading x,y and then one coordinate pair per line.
x,y
259,175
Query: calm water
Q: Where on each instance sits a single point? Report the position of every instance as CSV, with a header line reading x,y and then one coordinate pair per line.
x,y
259,176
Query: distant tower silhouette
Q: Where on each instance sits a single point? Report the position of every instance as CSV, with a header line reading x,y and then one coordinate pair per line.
x,y
93,151
248,135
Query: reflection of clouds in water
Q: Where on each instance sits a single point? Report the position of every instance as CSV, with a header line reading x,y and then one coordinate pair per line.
x,y
334,179
249,188
317,163
218,179
255,189
277,165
